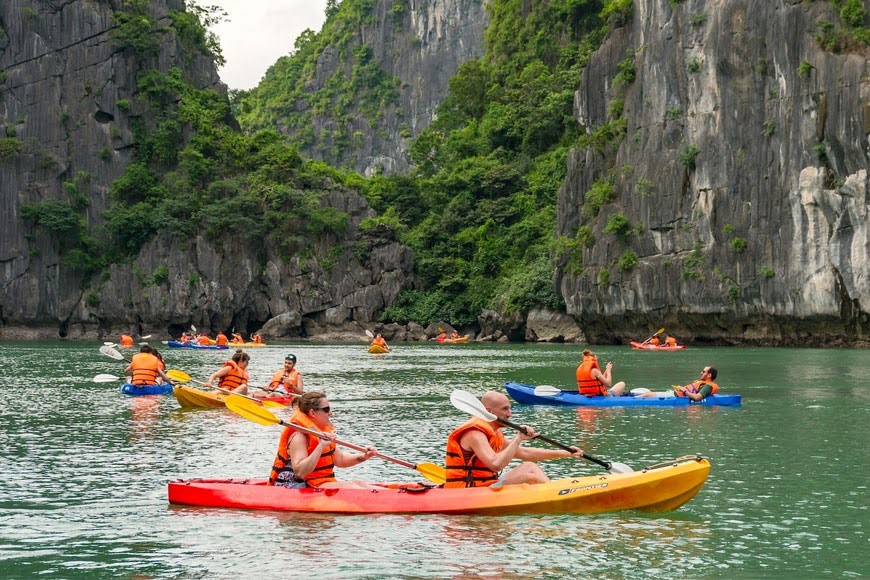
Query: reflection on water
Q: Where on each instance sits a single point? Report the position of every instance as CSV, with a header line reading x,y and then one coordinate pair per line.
x,y
84,468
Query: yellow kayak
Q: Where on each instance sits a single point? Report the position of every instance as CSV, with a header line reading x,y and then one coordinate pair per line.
x,y
377,349
188,396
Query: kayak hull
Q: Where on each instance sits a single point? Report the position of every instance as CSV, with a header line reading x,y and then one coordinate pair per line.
x,y
648,346
177,344
139,390
188,396
460,340
661,487
523,393
377,349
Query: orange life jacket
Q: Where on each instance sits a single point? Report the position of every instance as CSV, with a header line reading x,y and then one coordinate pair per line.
x,y
695,387
282,468
234,378
221,339
185,339
289,380
464,469
144,366
126,340
655,341
671,341
257,339
203,340
379,340
586,383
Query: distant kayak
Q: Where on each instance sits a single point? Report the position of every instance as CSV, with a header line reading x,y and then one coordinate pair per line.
x,y
524,393
177,344
648,346
138,390
246,344
459,340
377,349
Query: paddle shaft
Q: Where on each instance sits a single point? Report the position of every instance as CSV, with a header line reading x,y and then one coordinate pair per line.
x,y
605,464
661,330
353,446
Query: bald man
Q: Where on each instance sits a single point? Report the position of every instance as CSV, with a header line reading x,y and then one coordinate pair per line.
x,y
477,451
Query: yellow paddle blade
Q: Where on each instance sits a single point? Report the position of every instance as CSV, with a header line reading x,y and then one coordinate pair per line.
x,y
251,410
432,472
177,375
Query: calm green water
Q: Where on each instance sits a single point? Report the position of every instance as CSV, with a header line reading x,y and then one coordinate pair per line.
x,y
84,468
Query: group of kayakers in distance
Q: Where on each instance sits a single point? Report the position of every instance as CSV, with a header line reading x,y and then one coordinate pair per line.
x,y
220,339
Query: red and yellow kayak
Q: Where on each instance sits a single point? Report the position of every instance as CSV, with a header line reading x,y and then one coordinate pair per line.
x,y
657,488
188,396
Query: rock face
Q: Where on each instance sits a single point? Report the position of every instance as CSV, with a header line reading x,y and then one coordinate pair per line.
x,y
742,175
421,43
63,127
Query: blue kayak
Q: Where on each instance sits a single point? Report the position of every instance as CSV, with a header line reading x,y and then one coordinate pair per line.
x,y
137,390
523,393
177,344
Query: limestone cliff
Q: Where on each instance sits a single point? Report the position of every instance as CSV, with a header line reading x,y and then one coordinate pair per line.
x,y
70,105
742,177
395,65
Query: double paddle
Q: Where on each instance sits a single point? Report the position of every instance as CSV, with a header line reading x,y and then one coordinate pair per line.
x,y
465,401
257,414
661,330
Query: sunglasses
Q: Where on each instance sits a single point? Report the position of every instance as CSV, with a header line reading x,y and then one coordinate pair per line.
x,y
325,409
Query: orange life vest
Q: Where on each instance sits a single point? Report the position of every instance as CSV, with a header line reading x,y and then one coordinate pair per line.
x,y
234,378
289,380
203,340
379,340
126,340
655,341
464,469
221,339
586,383
671,341
282,468
144,366
695,387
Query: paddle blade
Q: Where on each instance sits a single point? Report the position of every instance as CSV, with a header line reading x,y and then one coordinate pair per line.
x,y
616,467
251,410
178,376
432,472
106,379
146,337
109,351
369,333
547,391
639,391
465,401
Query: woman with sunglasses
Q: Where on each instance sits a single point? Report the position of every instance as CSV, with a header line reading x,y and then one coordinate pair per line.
x,y
308,461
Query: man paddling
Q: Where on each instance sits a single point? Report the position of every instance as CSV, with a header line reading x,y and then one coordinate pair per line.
x,y
696,391
477,451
